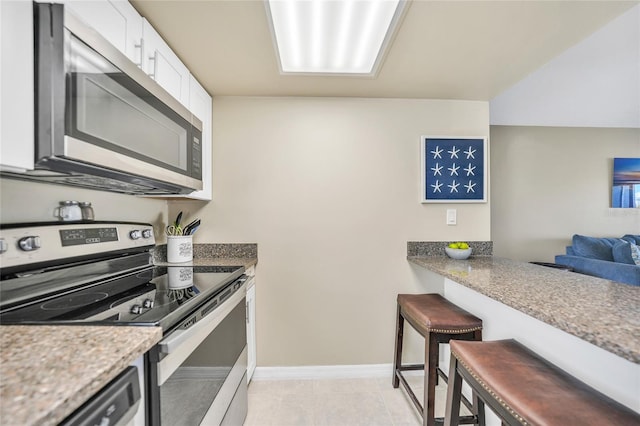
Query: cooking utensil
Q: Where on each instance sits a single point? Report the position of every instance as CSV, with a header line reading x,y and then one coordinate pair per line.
x,y
187,229
174,230
178,220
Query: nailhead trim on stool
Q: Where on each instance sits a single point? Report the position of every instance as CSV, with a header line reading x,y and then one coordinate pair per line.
x,y
524,389
438,321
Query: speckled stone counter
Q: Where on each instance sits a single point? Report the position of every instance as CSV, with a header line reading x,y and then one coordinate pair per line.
x,y
602,312
213,255
47,372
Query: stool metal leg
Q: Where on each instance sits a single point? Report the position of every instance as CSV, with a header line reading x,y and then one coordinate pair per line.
x,y
397,358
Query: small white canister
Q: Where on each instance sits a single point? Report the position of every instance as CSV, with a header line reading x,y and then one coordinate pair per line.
x,y
179,248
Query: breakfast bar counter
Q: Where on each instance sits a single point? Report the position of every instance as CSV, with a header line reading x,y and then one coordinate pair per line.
x,y
602,312
588,326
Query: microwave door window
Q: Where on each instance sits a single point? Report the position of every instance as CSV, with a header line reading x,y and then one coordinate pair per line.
x,y
110,110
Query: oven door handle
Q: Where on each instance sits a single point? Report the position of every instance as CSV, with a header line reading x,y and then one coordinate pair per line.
x,y
181,343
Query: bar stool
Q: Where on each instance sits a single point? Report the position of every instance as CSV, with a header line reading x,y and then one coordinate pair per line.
x,y
438,321
524,389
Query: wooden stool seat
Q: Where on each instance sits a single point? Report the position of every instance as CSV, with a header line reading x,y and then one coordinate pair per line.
x,y
432,313
438,321
524,389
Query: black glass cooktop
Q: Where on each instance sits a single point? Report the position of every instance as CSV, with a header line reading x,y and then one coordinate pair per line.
x,y
160,296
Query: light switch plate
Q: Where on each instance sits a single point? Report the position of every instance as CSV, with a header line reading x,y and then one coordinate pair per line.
x,y
451,216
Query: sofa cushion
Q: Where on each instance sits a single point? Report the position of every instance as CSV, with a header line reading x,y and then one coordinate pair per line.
x,y
635,253
635,239
594,248
622,252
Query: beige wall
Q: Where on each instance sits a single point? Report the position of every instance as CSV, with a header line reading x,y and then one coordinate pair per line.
x,y
22,201
330,190
550,183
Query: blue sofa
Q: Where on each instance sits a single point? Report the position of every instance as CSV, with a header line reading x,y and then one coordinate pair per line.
x,y
616,259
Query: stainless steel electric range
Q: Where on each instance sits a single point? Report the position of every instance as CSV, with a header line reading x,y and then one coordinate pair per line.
x,y
102,273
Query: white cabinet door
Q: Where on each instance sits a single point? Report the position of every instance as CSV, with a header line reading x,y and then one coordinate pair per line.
x,y
200,106
115,20
164,66
251,330
16,86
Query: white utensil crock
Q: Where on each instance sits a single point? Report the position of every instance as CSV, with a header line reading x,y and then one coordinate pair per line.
x,y
179,248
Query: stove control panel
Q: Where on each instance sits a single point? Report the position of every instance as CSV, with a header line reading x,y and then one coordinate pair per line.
x,y
52,241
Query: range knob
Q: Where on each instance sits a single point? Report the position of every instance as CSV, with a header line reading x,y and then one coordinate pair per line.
x,y
3,246
146,233
147,304
136,309
29,243
135,234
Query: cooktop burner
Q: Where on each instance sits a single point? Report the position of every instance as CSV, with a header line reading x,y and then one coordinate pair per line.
x,y
73,301
170,294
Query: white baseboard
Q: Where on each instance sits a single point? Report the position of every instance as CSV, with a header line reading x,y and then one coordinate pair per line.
x,y
325,372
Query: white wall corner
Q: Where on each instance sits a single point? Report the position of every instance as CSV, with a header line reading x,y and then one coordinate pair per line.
x,y
595,83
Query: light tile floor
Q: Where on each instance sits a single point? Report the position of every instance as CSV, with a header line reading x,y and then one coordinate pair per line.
x,y
336,402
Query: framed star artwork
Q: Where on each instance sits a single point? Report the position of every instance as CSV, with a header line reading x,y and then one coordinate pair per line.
x,y
454,169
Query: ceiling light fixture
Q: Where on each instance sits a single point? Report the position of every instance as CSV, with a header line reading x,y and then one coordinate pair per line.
x,y
333,36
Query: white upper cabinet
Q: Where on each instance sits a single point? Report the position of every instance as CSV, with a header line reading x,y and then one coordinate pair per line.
x,y
164,66
16,86
115,20
200,105
122,26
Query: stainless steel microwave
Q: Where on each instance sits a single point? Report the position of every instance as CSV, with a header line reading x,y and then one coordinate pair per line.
x,y
100,121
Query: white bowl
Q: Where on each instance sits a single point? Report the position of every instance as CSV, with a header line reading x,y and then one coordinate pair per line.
x,y
459,254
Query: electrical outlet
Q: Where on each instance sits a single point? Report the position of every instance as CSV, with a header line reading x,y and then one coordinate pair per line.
x,y
451,217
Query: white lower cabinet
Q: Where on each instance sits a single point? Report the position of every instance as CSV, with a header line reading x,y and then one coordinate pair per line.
x,y
251,328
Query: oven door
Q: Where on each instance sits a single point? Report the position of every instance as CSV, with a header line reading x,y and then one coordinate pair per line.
x,y
198,373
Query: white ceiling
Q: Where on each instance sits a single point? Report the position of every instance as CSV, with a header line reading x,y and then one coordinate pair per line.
x,y
443,49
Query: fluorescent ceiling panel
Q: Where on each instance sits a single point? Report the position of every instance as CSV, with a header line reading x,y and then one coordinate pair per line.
x,y
332,36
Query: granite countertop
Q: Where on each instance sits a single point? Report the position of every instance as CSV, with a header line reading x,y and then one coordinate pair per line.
x,y
47,372
212,254
602,312
215,261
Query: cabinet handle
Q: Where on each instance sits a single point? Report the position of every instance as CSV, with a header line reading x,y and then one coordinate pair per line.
x,y
154,58
141,55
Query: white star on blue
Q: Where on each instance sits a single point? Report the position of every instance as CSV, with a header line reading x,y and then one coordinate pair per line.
x,y
470,186
470,153
436,153
469,169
